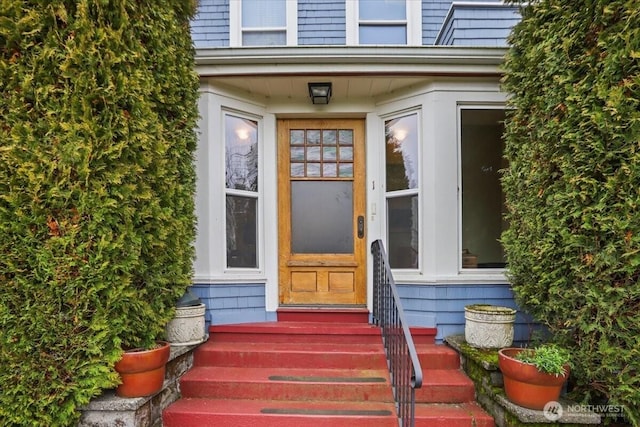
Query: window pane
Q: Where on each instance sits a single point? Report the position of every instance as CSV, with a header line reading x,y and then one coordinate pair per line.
x,y
242,231
321,217
241,153
263,13
402,214
382,9
383,34
482,198
264,38
402,162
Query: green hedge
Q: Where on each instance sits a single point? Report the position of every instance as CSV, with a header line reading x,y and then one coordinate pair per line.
x,y
573,186
99,107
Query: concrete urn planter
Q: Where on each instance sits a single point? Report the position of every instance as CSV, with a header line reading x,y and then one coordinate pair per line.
x,y
187,327
489,326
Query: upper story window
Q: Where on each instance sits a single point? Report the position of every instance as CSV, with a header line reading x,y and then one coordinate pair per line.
x,y
263,22
384,22
402,164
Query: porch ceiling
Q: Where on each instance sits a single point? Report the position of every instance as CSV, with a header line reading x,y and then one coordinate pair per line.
x,y
294,88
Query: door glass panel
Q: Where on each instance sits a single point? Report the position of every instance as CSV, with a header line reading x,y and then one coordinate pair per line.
x,y
403,231
402,160
322,217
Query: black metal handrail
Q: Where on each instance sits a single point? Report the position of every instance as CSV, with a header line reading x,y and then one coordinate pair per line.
x,y
402,358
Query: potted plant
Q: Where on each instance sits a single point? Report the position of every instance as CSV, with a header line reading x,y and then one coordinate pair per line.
x,y
142,370
534,376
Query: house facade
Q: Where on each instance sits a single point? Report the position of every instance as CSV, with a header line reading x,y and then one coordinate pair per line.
x,y
402,144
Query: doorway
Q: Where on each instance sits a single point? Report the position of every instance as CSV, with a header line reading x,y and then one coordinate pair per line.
x,y
321,212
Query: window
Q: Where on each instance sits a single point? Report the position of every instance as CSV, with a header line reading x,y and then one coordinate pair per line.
x,y
241,194
481,157
384,22
263,22
402,184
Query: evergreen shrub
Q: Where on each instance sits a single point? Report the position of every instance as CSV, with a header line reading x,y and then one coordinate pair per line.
x,y
573,186
99,107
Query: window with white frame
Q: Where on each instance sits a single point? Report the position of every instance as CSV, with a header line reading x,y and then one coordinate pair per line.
x,y
263,22
482,199
241,191
402,172
384,22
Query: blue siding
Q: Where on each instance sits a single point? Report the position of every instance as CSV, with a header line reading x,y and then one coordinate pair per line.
x,y
233,303
321,22
433,15
481,25
442,306
210,26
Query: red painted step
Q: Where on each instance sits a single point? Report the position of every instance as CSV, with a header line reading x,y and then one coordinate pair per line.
x,y
452,415
292,355
301,332
288,384
323,314
434,356
315,374
445,386
266,413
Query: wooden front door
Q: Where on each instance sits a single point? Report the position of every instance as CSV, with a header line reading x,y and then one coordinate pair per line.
x,y
321,211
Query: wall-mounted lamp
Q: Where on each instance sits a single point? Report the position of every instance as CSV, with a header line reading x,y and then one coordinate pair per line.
x,y
320,93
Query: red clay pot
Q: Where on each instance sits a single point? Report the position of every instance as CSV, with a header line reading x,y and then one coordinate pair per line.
x,y
142,371
525,385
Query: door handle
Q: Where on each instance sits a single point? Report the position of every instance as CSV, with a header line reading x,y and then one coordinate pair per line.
x,y
360,227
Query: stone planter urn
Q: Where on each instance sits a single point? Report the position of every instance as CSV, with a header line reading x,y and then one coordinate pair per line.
x,y
188,326
489,326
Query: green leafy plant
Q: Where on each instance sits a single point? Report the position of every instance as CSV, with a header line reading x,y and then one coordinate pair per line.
x,y
99,106
571,188
547,358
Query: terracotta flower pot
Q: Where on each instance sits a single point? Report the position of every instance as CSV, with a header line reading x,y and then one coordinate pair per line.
x,y
525,385
142,371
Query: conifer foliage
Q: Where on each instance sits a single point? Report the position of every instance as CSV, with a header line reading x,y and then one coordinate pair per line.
x,y
98,107
573,186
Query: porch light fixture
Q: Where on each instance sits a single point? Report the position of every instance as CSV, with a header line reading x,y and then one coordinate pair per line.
x,y
320,93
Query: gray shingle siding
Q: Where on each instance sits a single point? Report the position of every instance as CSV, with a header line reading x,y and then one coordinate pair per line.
x,y
321,22
210,26
433,14
482,25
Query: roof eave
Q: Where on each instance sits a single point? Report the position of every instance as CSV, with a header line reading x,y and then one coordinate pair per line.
x,y
349,60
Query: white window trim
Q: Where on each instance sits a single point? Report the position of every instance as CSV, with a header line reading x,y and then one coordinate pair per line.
x,y
210,266
235,23
413,22
257,195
